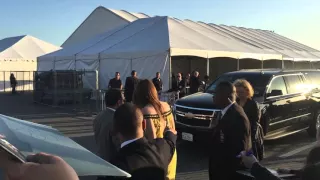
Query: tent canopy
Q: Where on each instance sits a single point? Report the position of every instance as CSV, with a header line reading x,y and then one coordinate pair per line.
x,y
103,19
150,36
24,48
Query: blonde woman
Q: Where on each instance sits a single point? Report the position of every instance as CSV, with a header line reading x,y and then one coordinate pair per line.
x,y
245,93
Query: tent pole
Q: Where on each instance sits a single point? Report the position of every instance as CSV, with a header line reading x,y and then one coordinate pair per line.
x,y
208,66
170,68
310,65
99,72
261,64
75,62
238,64
282,64
54,63
293,64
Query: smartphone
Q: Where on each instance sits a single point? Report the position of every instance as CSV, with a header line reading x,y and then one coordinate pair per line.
x,y
17,156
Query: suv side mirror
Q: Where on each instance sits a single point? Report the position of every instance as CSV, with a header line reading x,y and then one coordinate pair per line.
x,y
275,92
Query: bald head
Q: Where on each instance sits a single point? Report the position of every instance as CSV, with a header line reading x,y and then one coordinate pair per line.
x,y
128,120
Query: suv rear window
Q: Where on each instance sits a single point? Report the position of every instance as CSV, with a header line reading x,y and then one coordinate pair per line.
x,y
258,81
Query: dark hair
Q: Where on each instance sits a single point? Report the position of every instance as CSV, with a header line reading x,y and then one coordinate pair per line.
x,y
112,97
133,72
227,88
158,73
127,119
117,73
145,94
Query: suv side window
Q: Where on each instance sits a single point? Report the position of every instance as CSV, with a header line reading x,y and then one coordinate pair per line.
x,y
278,85
294,84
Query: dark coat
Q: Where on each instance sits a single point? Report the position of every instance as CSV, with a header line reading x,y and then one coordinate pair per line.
x,y
179,86
231,136
146,160
157,83
130,86
194,84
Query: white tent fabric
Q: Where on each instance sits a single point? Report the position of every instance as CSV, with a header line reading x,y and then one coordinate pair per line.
x,y
146,45
103,19
99,21
24,48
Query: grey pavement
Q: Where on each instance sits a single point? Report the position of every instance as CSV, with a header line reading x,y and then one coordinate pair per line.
x,y
192,158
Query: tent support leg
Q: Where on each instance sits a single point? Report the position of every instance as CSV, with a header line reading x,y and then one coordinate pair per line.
x,y
282,64
261,64
293,64
238,64
310,65
170,70
208,66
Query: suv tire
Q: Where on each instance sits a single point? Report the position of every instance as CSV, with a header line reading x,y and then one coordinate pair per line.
x,y
314,125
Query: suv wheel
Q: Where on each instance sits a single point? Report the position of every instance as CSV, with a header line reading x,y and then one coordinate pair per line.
x,y
314,126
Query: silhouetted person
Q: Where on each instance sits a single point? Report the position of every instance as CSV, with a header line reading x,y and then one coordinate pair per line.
x,y
231,135
13,83
115,83
108,145
195,83
137,154
131,83
157,82
179,86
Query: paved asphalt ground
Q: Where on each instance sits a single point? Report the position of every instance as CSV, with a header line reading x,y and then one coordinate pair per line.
x,y
192,158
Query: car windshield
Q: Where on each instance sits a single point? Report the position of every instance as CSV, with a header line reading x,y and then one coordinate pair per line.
x,y
258,81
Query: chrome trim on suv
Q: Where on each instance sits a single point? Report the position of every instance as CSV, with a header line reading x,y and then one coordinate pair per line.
x,y
201,109
209,118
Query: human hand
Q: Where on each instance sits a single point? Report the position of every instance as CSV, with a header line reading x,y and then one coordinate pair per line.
x,y
40,166
248,160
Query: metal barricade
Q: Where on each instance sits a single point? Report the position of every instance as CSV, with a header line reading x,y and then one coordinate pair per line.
x,y
169,97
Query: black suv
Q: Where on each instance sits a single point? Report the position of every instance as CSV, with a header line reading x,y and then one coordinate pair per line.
x,y
288,100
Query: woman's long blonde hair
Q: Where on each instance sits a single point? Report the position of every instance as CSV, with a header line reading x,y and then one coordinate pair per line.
x,y
146,94
246,85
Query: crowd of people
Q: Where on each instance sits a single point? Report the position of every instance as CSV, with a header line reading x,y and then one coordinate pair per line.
x,y
136,132
189,84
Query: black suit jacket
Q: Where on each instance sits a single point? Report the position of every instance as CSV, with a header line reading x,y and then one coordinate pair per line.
x,y
194,84
179,86
130,86
145,159
253,113
232,135
157,83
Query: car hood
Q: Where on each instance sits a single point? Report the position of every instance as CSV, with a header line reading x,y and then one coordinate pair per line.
x,y
198,100
31,138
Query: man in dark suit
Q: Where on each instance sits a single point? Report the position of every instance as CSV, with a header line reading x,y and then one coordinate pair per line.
x,y
115,83
231,135
141,158
130,85
108,144
157,82
195,83
179,86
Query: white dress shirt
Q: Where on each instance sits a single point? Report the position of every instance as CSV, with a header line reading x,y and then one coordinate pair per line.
x,y
128,142
224,111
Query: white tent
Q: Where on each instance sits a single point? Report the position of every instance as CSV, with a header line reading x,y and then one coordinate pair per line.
x,y
100,21
24,48
146,46
18,55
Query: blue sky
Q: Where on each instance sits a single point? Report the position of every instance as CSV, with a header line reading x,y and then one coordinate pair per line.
x,y
55,20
